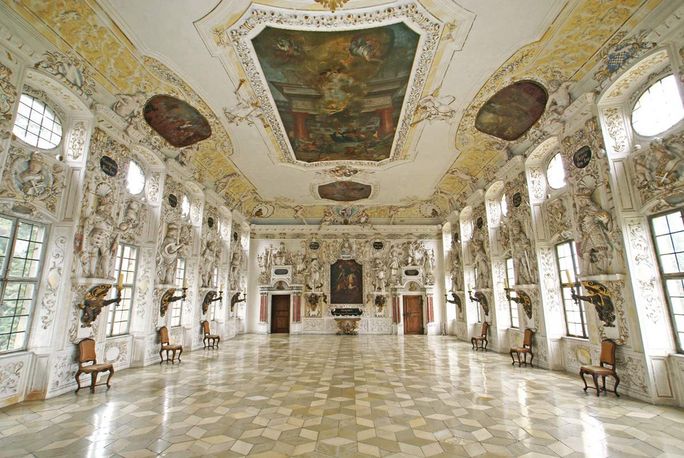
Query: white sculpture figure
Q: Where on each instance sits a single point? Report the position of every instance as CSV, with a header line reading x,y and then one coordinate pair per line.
x,y
523,260
456,266
208,263
394,265
429,266
596,245
235,263
131,218
280,256
170,248
379,269
102,241
33,180
478,253
313,280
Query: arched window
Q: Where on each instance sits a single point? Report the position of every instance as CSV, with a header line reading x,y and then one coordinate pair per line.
x,y
504,205
658,108
555,173
135,180
37,124
185,206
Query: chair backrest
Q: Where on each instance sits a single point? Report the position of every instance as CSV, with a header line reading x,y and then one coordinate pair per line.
x,y
527,338
163,335
485,329
608,347
205,327
86,352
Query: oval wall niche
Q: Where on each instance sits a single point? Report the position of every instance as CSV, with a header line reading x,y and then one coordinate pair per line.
x,y
511,112
344,191
178,122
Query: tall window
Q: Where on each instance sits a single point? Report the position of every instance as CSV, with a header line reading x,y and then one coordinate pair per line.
x,y
177,307
575,313
512,305
668,232
214,284
119,315
477,309
21,251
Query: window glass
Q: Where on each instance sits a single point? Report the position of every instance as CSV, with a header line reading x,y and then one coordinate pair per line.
x,y
504,205
512,305
658,109
21,250
555,173
185,206
177,307
135,179
575,313
37,124
119,315
668,233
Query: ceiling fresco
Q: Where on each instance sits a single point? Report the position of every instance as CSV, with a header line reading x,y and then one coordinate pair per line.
x,y
339,94
177,121
344,191
512,111
437,154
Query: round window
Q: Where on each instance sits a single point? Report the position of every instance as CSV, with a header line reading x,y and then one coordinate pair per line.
x,y
658,108
37,124
135,180
555,172
185,206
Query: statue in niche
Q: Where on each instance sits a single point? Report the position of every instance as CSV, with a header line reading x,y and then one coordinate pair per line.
x,y
394,264
235,264
429,267
280,256
456,265
346,248
412,249
171,246
379,269
525,269
102,240
208,263
299,260
478,252
313,279
596,247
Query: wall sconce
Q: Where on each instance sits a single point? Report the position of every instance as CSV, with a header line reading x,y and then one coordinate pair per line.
x,y
456,300
168,297
597,295
94,300
522,298
209,298
236,299
481,299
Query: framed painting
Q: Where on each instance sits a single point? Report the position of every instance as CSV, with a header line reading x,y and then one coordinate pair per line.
x,y
346,282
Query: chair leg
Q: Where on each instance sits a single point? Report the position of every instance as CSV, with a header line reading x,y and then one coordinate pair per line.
x,y
531,358
513,363
519,363
161,358
604,383
617,382
167,356
173,357
111,372
584,380
595,377
204,341
78,380
472,342
218,341
179,355
93,381
486,342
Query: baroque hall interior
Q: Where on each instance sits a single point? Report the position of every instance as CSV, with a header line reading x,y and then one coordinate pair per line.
x,y
341,227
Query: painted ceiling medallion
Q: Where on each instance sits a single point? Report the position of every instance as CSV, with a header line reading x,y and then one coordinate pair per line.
x,y
178,122
339,94
511,112
332,4
344,191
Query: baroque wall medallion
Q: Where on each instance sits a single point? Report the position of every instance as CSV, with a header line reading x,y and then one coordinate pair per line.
x,y
582,157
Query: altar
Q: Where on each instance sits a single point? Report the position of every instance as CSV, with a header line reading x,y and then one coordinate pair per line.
x,y
347,320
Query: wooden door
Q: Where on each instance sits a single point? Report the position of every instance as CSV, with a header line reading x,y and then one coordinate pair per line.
x,y
280,314
413,314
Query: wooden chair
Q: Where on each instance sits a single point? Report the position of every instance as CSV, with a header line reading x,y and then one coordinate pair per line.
x,y
210,340
525,349
86,354
166,346
608,347
481,342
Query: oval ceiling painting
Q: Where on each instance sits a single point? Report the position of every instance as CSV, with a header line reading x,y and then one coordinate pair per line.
x,y
511,112
344,191
178,122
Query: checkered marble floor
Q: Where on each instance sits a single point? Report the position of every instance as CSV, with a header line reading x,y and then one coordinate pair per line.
x,y
342,396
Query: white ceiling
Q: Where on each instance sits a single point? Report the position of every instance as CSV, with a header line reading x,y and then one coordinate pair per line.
x,y
166,30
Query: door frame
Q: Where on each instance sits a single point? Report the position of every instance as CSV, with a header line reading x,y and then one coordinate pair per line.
x,y
289,310
402,324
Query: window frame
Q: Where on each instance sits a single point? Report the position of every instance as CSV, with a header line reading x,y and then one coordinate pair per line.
x,y
214,284
111,313
477,308
142,173
512,305
679,344
638,100
177,306
6,278
582,311
47,106
558,154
